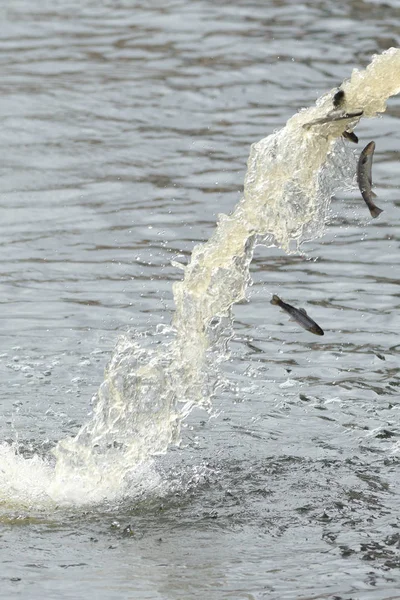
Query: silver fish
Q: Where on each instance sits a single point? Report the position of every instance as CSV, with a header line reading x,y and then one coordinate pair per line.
x,y
364,179
299,315
332,116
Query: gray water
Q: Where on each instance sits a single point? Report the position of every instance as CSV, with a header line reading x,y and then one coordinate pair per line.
x,y
126,129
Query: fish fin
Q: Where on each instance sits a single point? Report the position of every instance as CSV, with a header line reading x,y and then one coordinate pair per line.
x,y
303,311
375,211
350,135
373,195
275,299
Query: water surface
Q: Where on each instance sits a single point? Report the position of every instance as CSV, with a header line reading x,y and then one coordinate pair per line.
x,y
125,131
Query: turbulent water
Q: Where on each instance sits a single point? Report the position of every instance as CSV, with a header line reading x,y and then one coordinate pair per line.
x,y
291,477
291,178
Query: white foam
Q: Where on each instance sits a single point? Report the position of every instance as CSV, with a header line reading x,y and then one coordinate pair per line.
x,y
23,481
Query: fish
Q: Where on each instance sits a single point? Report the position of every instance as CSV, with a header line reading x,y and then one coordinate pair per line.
x,y
364,179
332,116
351,136
299,315
338,99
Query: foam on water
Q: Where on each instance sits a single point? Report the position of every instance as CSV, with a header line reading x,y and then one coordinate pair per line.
x,y
291,177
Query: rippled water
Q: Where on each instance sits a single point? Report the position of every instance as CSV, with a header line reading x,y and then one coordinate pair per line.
x,y
125,131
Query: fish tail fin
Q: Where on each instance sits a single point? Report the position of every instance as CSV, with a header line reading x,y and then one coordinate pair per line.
x,y
275,299
375,211
350,135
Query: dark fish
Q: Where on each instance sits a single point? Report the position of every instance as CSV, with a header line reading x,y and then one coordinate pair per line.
x,y
338,99
364,179
299,315
351,136
334,115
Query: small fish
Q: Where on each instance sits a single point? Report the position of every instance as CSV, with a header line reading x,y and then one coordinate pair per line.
x,y
338,99
364,179
351,136
299,315
332,116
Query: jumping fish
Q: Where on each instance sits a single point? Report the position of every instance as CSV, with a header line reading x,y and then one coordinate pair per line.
x,y
332,116
338,101
364,179
299,315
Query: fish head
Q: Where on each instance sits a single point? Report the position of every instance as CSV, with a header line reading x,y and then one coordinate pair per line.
x,y
369,149
316,329
338,99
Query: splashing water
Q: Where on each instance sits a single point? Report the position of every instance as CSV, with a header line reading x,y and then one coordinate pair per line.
x,y
291,177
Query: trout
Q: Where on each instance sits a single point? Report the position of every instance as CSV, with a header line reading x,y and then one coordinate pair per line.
x,y
299,315
364,179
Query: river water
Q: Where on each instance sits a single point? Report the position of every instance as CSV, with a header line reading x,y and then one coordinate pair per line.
x,y
126,129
